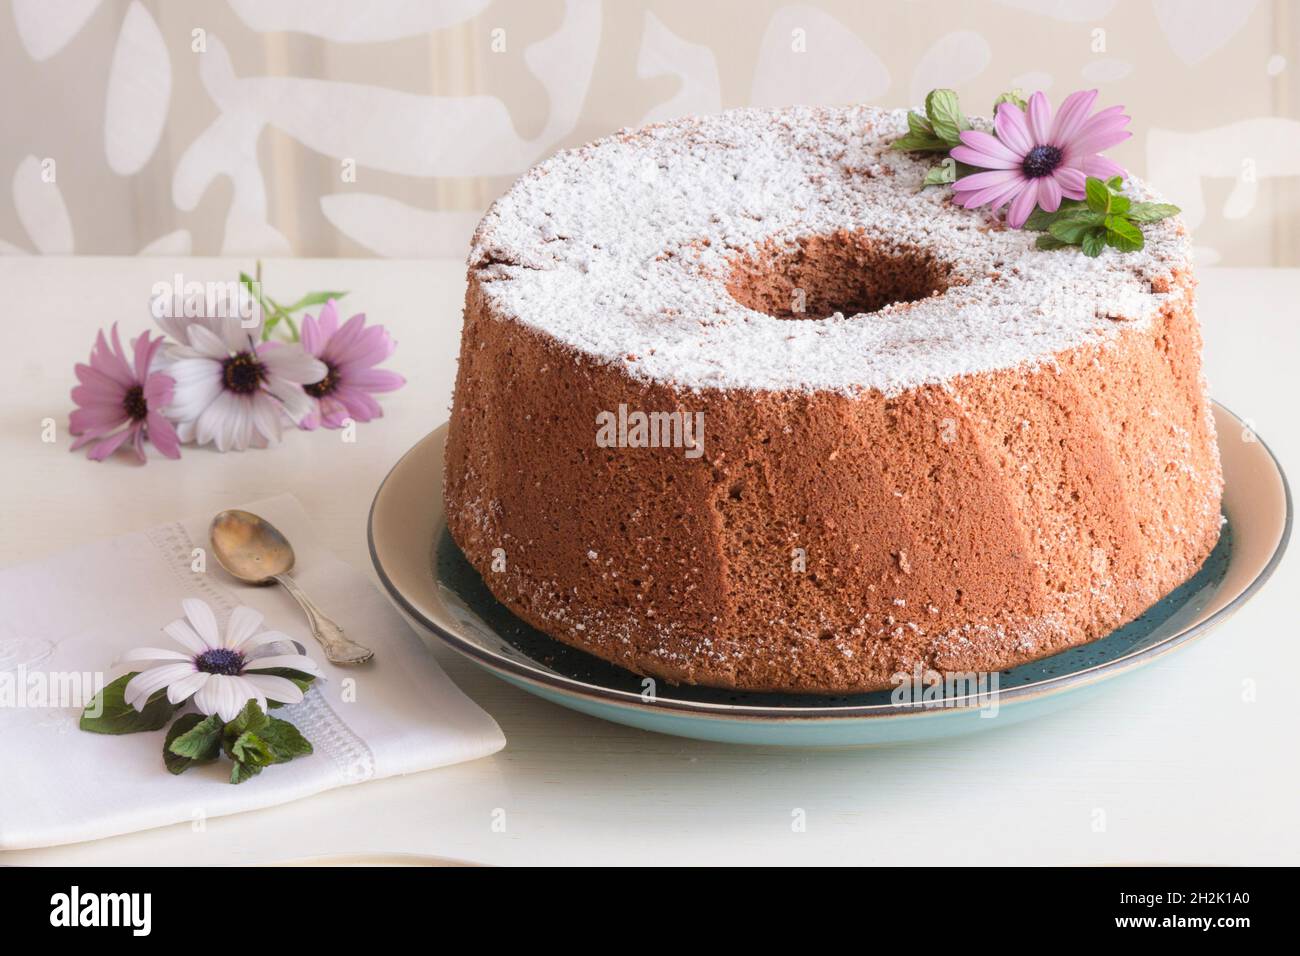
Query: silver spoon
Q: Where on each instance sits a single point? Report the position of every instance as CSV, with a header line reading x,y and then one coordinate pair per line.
x,y
252,550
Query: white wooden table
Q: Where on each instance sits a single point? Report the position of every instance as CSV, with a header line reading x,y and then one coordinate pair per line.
x,y
1177,765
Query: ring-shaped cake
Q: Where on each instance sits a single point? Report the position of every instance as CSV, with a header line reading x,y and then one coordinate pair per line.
x,y
741,404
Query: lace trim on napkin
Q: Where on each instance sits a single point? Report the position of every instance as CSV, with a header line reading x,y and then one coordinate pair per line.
x,y
314,716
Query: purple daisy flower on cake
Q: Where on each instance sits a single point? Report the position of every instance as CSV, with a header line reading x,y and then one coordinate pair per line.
x,y
1035,160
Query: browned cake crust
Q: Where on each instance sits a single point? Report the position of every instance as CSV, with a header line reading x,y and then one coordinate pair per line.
x,y
826,541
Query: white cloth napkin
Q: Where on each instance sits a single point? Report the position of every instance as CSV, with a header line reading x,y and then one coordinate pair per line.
x,y
78,611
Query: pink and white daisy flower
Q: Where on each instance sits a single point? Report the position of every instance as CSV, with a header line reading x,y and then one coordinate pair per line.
x,y
115,392
220,673
1035,160
349,354
230,390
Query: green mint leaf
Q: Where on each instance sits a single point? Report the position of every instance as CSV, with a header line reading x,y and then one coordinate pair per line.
x,y
250,748
1098,195
945,115
1071,227
254,741
285,741
918,125
1152,211
109,713
944,172
1047,241
920,143
1119,205
1123,235
250,718
1015,97
1115,182
1093,242
249,721
1040,219
243,771
192,740
196,737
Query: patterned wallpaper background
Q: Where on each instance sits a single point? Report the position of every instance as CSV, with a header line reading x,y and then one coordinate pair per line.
x,y
352,128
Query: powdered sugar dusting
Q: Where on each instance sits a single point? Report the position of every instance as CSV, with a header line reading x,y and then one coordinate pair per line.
x,y
622,249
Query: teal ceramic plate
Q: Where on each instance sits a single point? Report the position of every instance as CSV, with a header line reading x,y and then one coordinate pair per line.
x,y
431,583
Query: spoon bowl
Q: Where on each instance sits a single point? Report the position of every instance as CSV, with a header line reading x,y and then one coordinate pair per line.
x,y
253,550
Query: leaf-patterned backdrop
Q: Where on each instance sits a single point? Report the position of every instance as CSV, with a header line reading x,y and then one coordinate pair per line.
x,y
345,128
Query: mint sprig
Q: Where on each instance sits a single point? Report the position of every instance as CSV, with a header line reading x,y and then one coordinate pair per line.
x,y
253,740
1104,217
939,130
192,740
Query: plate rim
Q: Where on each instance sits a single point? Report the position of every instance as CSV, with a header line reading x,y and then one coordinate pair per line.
x,y
1025,693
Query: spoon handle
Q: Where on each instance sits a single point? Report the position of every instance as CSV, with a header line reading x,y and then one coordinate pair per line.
x,y
338,648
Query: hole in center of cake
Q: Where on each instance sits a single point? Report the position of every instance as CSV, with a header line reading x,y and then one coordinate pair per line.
x,y
844,272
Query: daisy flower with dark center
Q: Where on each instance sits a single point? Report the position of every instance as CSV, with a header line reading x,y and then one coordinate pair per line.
x,y
230,390
349,353
221,672
120,401
1035,160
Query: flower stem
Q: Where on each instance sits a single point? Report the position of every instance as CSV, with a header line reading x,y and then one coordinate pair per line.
x,y
281,315
277,311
